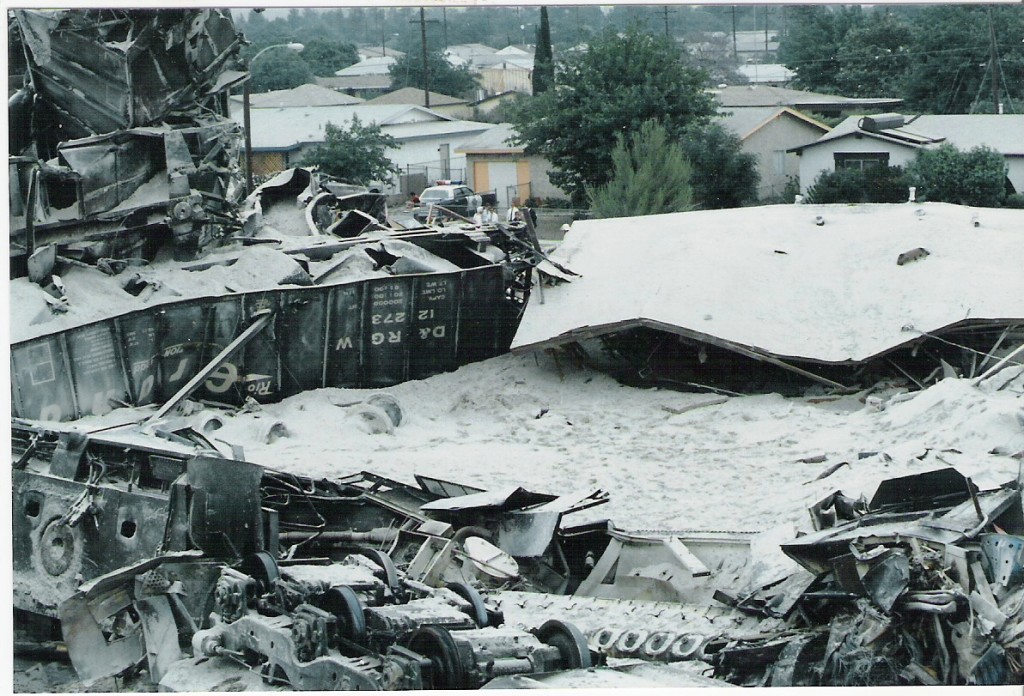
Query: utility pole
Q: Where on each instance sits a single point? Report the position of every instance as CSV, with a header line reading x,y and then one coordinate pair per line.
x,y
444,16
765,33
666,19
426,68
993,62
735,53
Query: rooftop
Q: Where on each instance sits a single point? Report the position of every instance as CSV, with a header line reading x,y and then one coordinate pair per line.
x,y
413,95
303,95
1004,133
745,121
767,95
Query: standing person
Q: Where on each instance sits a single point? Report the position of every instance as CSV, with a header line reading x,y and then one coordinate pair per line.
x,y
478,217
490,215
514,214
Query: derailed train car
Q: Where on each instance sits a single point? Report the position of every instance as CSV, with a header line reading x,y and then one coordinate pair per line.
x,y
119,135
358,334
133,541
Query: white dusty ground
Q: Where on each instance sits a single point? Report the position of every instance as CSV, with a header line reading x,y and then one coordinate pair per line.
x,y
734,465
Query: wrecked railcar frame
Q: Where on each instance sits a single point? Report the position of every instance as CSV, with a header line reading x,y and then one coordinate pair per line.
x,y
120,133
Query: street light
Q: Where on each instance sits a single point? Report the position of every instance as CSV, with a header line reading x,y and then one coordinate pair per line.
x,y
297,48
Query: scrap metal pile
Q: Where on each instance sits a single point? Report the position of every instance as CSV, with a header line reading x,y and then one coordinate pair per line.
x,y
157,571
119,136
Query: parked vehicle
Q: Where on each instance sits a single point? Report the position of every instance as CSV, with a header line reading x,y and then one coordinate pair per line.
x,y
457,198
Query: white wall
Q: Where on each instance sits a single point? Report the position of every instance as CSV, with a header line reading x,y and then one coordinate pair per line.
x,y
820,158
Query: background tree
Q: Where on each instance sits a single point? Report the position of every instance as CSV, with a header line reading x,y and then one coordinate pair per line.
x,y
810,47
279,69
650,175
873,57
543,58
357,154
724,175
407,71
951,71
613,87
327,57
976,177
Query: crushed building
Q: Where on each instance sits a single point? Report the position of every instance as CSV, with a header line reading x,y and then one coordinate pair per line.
x,y
788,297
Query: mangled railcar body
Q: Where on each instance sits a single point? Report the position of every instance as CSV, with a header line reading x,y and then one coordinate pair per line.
x,y
120,137
360,334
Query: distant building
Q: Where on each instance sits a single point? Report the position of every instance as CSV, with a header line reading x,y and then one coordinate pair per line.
x,y
377,65
894,140
494,165
303,95
364,86
825,105
486,105
427,141
441,103
774,74
769,133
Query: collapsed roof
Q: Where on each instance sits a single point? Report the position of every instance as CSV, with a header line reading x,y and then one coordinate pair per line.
x,y
816,290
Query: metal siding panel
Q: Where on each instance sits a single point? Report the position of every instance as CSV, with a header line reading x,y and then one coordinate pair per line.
x,y
223,325
434,325
300,328
139,342
44,382
261,373
181,344
388,305
345,339
97,374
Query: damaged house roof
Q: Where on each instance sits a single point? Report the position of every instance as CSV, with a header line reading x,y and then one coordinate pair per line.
x,y
774,280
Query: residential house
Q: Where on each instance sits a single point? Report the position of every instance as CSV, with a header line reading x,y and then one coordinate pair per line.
x,y
376,65
365,86
768,133
303,95
365,52
488,104
774,74
441,103
427,141
492,164
822,105
510,69
895,140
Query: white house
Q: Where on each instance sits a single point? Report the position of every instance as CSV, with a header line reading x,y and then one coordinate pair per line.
x,y
427,140
769,133
894,140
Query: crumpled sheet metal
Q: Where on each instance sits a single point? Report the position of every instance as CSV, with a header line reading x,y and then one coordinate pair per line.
x,y
109,70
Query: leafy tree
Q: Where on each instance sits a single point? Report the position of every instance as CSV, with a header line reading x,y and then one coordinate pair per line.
x,y
650,175
279,69
358,154
849,185
810,48
976,177
724,175
327,57
951,68
614,86
407,71
873,57
543,59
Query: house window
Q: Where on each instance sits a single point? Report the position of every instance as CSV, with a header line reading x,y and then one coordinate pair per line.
x,y
861,160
